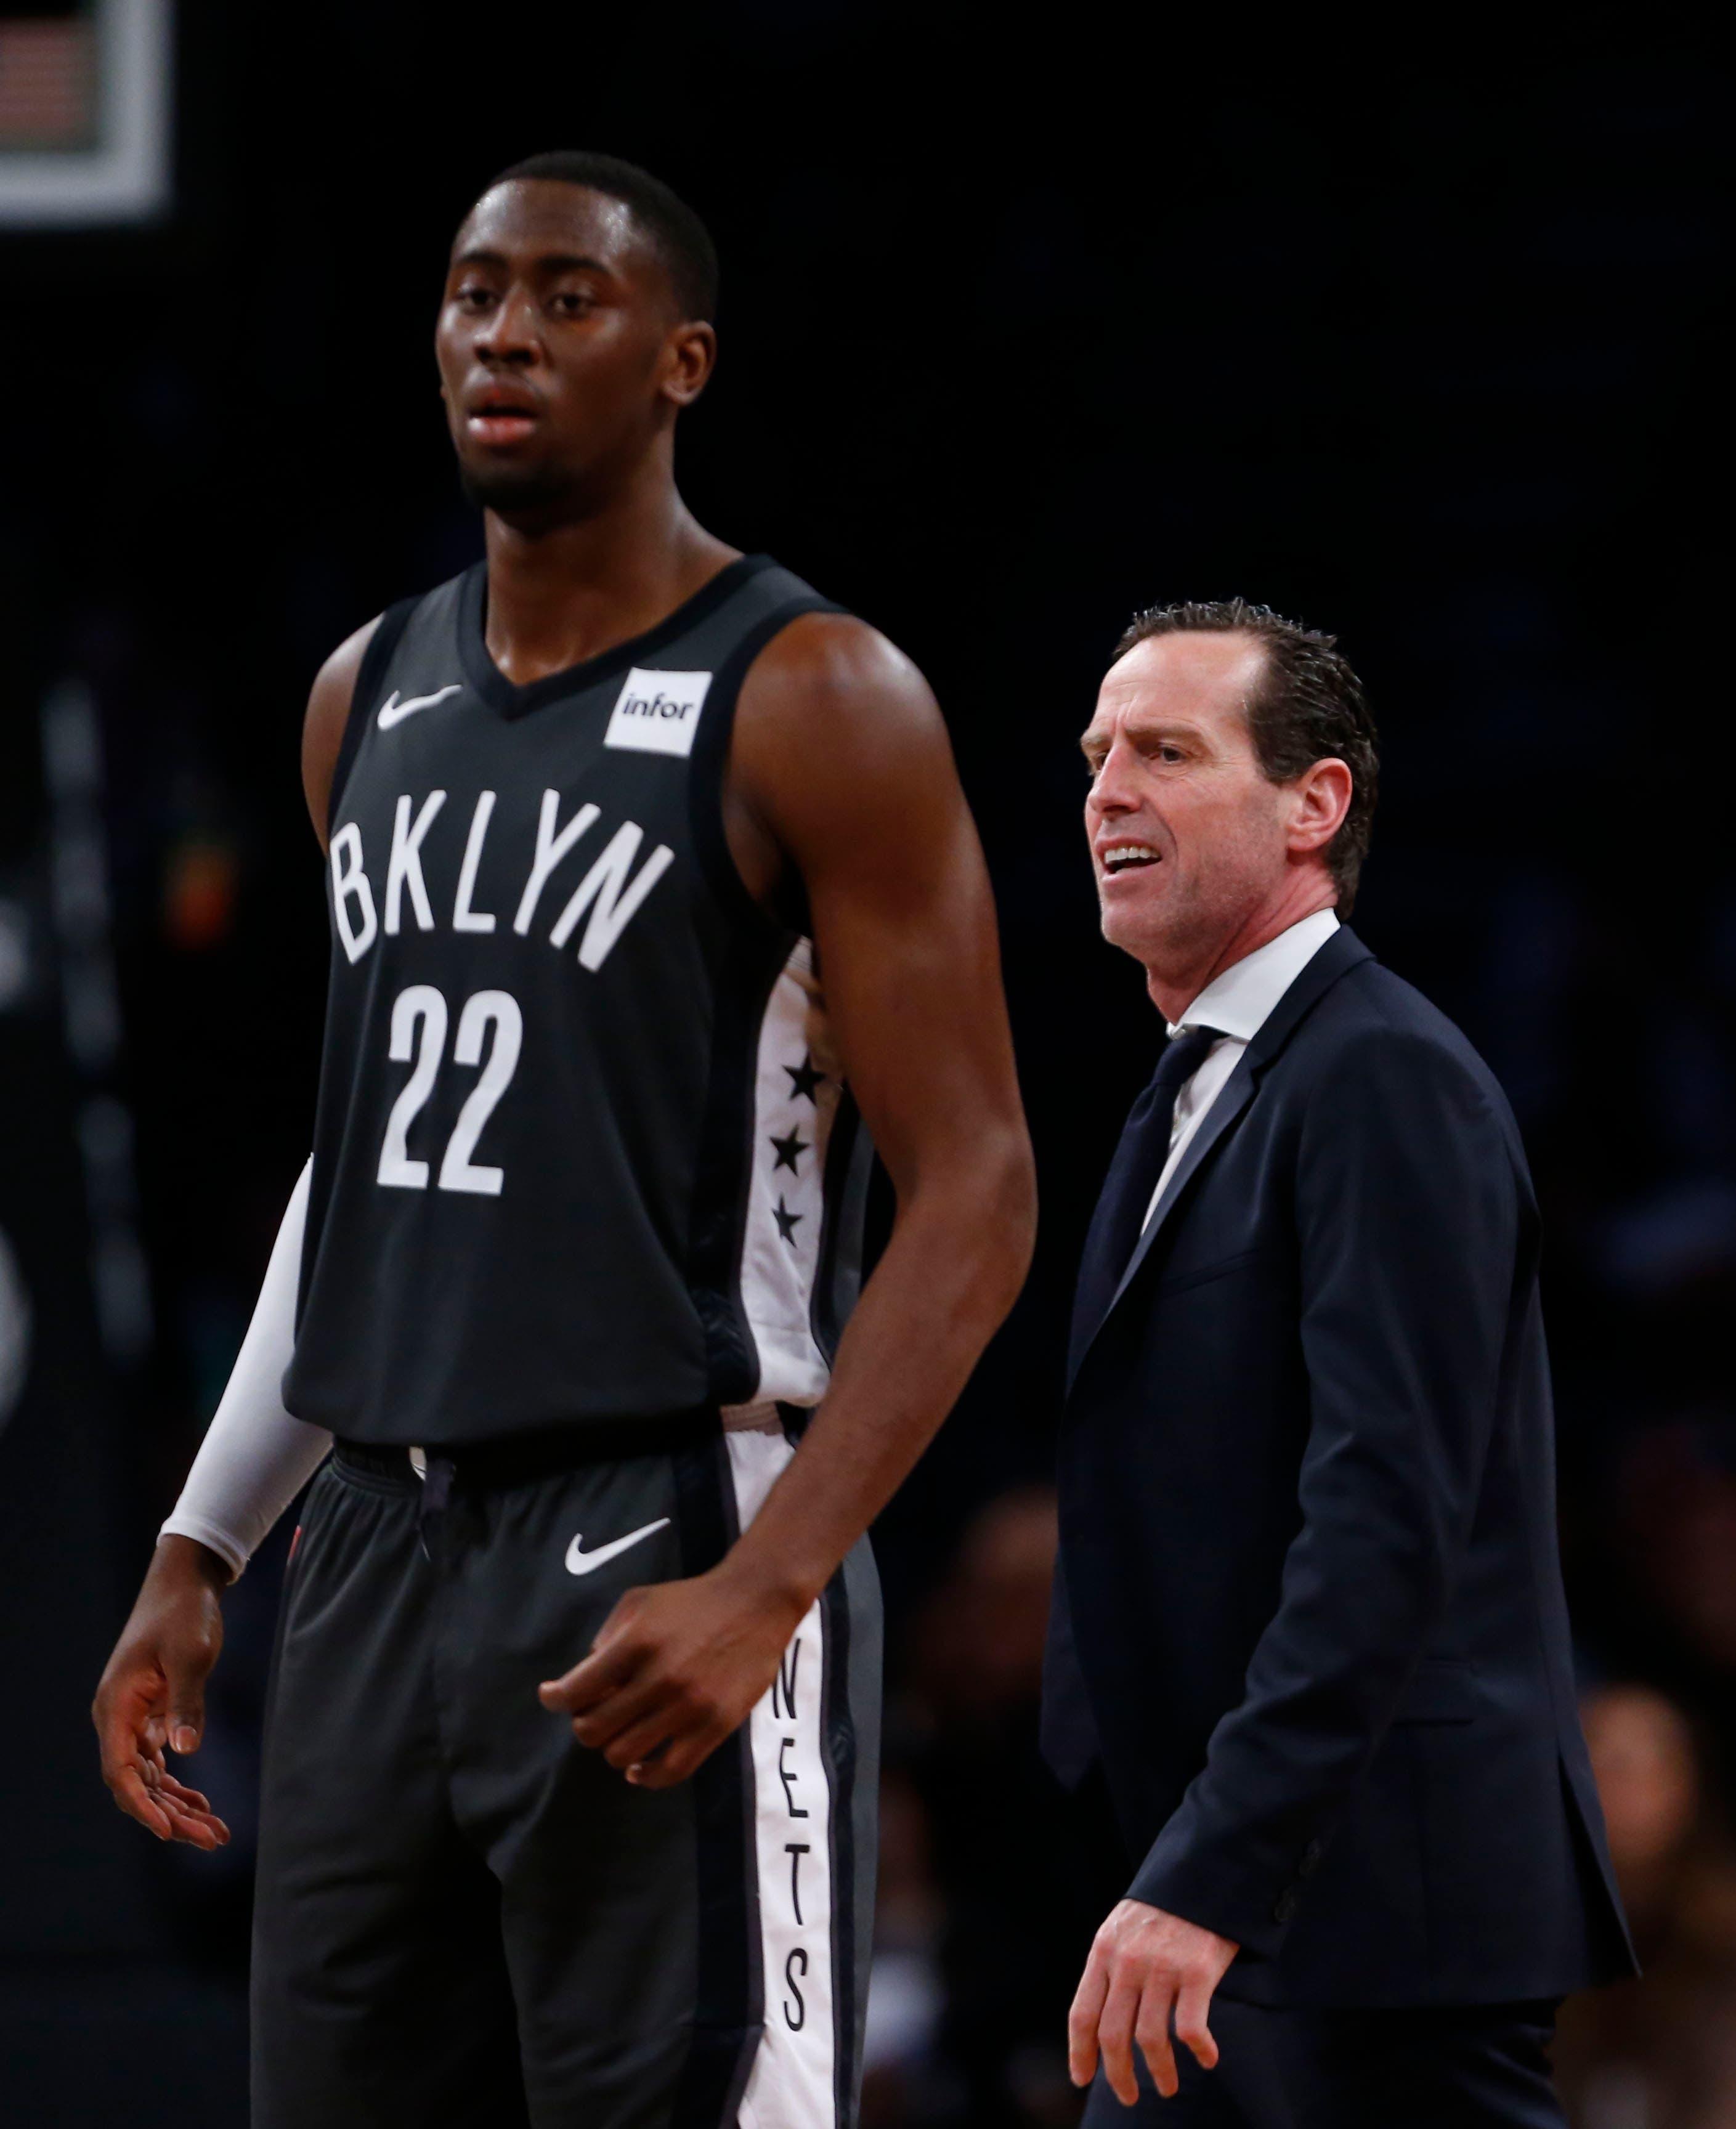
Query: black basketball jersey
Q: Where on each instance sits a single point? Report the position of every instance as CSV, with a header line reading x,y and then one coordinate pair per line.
x,y
582,1152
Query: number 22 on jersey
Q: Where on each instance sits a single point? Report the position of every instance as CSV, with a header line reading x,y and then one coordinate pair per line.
x,y
419,1020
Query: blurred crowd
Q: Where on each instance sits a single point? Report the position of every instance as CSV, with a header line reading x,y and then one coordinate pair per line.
x,y
1659,2053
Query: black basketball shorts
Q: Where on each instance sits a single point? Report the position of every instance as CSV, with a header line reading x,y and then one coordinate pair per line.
x,y
466,1920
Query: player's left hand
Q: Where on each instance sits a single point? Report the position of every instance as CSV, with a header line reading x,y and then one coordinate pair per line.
x,y
675,1668
1146,1967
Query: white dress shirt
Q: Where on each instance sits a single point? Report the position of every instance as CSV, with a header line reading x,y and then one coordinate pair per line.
x,y
1240,1002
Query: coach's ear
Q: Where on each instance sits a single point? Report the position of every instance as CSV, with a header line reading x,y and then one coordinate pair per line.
x,y
1316,804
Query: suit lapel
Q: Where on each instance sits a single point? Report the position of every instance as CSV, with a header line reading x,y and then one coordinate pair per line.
x,y
1100,1289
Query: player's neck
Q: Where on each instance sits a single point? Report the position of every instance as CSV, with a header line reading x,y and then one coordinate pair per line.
x,y
562,593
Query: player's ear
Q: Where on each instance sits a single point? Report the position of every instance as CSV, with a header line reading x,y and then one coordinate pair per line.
x,y
690,355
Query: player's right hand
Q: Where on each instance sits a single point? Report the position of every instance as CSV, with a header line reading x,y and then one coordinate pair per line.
x,y
152,1693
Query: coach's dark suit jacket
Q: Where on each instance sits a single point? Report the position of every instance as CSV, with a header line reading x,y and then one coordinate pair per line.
x,y
1308,1610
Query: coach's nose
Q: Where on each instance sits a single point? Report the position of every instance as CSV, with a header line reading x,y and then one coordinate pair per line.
x,y
1113,788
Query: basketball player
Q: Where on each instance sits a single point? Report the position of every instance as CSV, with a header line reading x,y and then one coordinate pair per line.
x,y
652,893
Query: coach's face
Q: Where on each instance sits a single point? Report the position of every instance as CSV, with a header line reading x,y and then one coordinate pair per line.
x,y
1189,836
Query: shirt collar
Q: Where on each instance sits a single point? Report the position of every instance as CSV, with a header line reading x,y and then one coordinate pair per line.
x,y
1242,999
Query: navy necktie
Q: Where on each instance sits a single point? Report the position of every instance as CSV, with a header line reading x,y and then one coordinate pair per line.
x,y
1184,1056
1132,1177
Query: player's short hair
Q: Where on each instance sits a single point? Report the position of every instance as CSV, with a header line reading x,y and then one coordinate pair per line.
x,y
1308,705
681,240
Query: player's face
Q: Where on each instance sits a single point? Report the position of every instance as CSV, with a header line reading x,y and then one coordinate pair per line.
x,y
1188,836
562,360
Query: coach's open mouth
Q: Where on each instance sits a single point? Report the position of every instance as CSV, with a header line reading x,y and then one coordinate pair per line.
x,y
1127,857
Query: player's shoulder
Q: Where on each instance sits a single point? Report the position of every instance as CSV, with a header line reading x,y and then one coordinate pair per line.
x,y
838,741
827,670
334,684
334,689
327,717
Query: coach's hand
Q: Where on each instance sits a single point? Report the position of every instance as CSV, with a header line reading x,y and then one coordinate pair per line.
x,y
1145,1967
676,1668
152,1693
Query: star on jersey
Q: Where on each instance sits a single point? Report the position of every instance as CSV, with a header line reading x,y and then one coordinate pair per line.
x,y
787,1220
803,1079
789,1150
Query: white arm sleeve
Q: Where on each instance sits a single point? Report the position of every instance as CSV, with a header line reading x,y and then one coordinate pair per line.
x,y
254,1458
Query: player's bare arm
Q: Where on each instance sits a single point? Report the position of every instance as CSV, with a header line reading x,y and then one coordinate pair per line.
x,y
151,1695
843,773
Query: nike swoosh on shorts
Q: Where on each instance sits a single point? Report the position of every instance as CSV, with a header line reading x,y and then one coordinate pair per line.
x,y
395,712
580,1562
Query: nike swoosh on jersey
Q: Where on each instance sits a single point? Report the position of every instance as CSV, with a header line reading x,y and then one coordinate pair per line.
x,y
580,1562
394,713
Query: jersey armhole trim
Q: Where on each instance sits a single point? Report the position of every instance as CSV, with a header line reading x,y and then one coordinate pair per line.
x,y
711,763
372,670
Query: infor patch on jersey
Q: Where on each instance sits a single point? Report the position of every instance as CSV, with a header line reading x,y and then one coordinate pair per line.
x,y
658,713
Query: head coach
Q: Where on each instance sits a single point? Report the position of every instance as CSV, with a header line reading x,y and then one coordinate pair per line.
x,y
1309,1626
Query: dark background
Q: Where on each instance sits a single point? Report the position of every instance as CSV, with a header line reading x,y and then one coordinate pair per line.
x,y
1021,327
